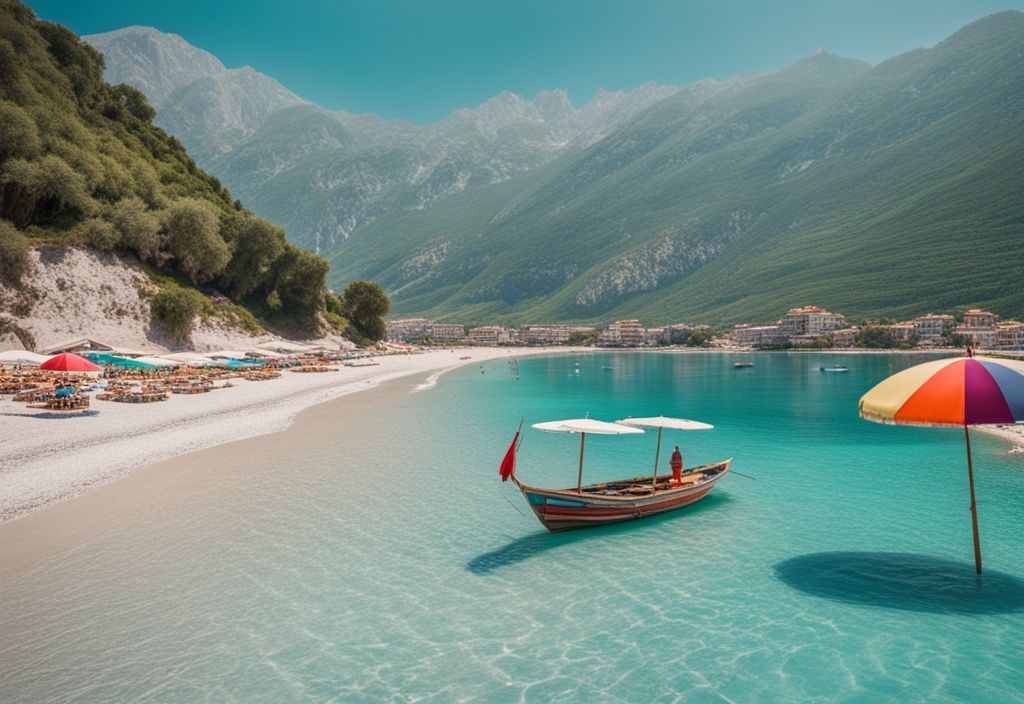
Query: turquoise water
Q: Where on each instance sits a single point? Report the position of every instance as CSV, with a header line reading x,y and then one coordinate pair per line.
x,y
381,559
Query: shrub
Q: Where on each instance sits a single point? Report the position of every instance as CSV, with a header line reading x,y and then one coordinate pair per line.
x,y
33,192
137,227
299,285
175,309
256,244
365,306
192,238
19,137
14,260
99,234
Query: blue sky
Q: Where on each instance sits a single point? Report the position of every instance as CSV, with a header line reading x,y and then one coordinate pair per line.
x,y
420,59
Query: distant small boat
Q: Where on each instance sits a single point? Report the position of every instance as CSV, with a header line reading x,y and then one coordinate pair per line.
x,y
742,365
834,368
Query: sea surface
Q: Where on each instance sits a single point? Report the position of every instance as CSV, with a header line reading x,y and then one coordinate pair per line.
x,y
371,553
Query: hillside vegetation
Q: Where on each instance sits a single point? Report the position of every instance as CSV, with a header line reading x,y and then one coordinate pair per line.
x,y
889,190
82,163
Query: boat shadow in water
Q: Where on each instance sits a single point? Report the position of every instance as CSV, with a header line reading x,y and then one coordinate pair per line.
x,y
538,543
903,581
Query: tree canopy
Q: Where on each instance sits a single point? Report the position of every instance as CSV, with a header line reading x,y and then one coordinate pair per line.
x,y
365,304
82,163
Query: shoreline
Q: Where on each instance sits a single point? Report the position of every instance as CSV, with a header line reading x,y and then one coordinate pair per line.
x,y
48,459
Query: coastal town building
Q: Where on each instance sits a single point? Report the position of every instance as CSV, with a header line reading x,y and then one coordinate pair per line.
x,y
489,335
655,336
758,335
978,318
1009,336
932,327
676,333
408,330
447,332
846,337
551,334
809,323
903,333
623,333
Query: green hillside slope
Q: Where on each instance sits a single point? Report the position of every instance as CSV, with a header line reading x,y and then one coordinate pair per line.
x,y
82,163
890,190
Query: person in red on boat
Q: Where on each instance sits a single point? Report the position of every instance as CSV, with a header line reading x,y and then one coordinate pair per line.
x,y
677,465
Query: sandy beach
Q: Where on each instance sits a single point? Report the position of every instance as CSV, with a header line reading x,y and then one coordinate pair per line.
x,y
47,459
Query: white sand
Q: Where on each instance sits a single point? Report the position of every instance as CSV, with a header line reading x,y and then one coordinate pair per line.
x,y
47,459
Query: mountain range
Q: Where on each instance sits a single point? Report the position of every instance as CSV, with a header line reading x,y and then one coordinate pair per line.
x,y
323,174
883,190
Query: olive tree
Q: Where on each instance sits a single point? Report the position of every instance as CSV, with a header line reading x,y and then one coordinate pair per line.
x,y
256,244
137,227
14,260
365,304
192,238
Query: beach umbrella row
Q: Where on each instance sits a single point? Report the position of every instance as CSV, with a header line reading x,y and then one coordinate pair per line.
x,y
956,392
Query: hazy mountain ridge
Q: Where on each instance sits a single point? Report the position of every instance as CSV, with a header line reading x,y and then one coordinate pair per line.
x,y
882,190
323,174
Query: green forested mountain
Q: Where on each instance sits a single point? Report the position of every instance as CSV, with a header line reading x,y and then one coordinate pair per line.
x,y
887,190
82,163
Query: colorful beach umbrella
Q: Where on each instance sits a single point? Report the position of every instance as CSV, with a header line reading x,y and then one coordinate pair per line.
x,y
956,392
68,362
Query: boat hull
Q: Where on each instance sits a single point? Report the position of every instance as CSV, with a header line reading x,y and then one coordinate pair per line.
x,y
560,510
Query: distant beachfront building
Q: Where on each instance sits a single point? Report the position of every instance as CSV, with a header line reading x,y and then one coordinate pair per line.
x,y
978,318
809,323
407,330
623,333
550,334
1009,336
677,333
490,335
758,335
846,337
903,332
932,327
447,332
655,336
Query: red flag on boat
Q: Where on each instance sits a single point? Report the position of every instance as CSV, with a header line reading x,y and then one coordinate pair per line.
x,y
508,465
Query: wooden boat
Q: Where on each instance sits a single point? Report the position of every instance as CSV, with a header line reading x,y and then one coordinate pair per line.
x,y
620,500
626,500
742,365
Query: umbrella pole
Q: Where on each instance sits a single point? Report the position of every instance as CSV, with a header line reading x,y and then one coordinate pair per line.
x,y
579,477
657,454
974,506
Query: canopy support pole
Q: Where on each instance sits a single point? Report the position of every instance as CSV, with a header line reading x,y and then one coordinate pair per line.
x,y
974,505
579,477
657,454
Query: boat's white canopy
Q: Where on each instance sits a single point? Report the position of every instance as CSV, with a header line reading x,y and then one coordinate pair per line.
x,y
586,425
664,422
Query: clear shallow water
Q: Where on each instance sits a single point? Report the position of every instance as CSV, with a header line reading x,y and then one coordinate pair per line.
x,y
371,554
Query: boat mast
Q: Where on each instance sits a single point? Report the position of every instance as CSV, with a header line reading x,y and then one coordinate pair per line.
x,y
579,477
657,454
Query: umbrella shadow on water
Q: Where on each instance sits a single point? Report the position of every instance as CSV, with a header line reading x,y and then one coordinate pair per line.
x,y
541,542
903,581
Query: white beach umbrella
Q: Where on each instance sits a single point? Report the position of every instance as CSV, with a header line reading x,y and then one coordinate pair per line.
x,y
159,361
584,426
662,422
22,357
